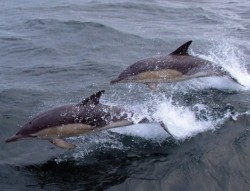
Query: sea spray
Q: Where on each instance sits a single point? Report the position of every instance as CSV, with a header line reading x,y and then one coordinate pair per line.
x,y
231,58
182,120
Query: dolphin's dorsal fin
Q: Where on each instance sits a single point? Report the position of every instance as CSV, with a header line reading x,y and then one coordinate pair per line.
x,y
183,49
93,98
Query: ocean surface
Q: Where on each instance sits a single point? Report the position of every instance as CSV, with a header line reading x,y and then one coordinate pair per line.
x,y
59,52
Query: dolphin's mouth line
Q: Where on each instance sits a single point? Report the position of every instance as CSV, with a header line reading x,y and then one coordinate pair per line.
x,y
13,138
18,138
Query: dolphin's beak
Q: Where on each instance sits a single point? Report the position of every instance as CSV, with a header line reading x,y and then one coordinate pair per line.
x,y
13,138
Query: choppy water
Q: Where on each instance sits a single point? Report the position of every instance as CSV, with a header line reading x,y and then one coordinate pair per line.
x,y
57,52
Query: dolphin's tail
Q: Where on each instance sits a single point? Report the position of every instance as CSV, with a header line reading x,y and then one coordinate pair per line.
x,y
234,79
226,73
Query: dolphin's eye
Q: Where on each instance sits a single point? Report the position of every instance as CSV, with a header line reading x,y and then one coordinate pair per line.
x,y
30,122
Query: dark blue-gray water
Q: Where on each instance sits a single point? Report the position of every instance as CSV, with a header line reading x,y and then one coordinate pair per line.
x,y
59,52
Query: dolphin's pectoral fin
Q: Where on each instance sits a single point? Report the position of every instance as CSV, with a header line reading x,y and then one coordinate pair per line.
x,y
62,143
166,129
152,86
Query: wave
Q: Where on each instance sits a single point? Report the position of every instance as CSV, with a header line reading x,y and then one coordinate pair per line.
x,y
43,23
70,37
145,6
24,46
69,26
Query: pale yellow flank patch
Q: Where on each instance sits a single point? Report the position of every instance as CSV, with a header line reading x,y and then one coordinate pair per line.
x,y
71,130
166,76
68,130
160,75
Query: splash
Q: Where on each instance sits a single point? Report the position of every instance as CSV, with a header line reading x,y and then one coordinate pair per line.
x,y
232,60
182,121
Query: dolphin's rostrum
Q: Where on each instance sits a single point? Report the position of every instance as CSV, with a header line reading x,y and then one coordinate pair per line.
x,y
73,120
177,66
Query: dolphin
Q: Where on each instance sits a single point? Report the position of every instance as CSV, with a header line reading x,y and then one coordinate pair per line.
x,y
177,66
73,120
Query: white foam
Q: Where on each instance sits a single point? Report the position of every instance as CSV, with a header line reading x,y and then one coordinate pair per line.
x,y
182,121
232,60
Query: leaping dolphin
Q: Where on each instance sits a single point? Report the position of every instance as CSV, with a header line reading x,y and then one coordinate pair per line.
x,y
177,66
73,120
